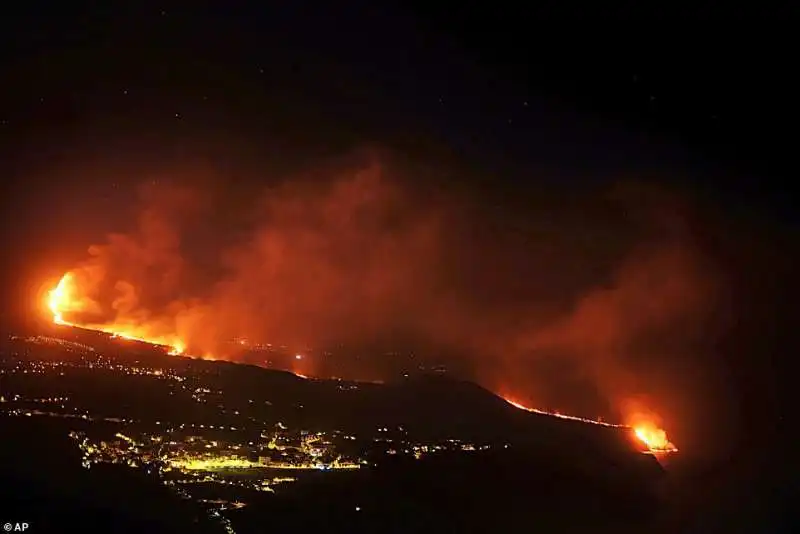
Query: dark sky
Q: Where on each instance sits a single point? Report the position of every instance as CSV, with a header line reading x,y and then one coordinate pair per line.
x,y
543,87
565,91
525,108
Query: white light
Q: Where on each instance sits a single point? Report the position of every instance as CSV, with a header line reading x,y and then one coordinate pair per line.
x,y
358,508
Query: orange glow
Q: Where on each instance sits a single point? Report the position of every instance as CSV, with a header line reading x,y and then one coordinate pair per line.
x,y
654,438
65,299
647,430
59,298
559,415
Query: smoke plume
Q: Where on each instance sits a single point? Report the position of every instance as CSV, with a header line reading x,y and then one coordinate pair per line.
x,y
571,302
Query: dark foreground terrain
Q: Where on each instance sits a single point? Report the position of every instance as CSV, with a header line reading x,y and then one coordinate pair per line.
x,y
493,492
435,455
499,493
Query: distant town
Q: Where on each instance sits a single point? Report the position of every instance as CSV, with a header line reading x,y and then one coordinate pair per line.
x,y
221,441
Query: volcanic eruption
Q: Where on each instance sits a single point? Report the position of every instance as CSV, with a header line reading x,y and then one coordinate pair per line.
x,y
65,298
360,256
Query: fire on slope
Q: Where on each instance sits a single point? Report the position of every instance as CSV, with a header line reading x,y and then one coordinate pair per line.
x,y
648,433
65,299
654,437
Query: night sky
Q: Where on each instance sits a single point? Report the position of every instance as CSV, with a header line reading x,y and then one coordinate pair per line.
x,y
531,114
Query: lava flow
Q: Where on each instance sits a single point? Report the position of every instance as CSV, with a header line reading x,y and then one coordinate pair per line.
x,y
654,438
63,299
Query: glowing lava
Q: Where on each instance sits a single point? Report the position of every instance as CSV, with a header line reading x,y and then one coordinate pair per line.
x,y
59,298
654,438
559,415
65,299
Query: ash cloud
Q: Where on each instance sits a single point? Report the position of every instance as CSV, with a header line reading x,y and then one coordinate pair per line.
x,y
567,303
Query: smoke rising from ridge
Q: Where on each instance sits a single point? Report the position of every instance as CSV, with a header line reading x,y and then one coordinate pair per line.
x,y
568,303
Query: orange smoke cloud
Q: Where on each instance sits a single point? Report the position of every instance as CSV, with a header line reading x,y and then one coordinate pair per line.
x,y
562,314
